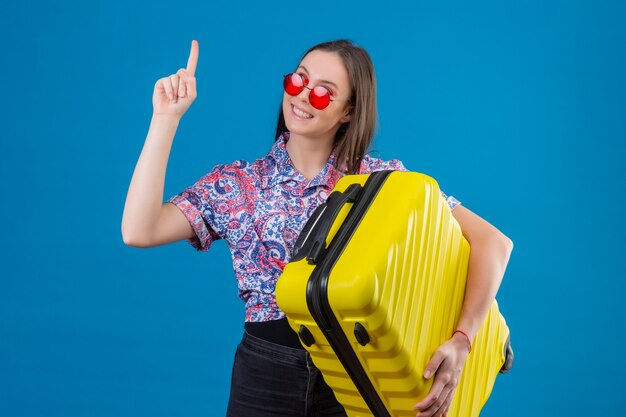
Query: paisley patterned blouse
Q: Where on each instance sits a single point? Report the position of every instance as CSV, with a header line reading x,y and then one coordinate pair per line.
x,y
259,208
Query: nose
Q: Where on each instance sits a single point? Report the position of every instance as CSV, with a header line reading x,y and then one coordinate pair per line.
x,y
304,94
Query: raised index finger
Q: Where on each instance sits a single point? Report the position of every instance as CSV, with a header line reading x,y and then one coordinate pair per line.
x,y
192,62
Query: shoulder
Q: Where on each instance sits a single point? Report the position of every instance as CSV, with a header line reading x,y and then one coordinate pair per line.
x,y
237,168
228,179
371,164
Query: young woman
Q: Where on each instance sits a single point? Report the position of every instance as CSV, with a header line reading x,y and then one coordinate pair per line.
x,y
325,126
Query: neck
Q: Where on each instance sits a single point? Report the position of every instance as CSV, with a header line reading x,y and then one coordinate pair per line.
x,y
309,155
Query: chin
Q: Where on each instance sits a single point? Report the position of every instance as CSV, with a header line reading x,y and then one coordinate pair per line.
x,y
295,130
295,127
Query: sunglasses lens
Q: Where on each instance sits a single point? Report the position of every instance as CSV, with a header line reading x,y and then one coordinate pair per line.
x,y
293,84
319,97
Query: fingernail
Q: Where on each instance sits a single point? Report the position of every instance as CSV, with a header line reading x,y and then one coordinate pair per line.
x,y
427,373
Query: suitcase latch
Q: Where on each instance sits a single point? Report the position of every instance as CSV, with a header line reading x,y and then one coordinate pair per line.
x,y
361,334
306,336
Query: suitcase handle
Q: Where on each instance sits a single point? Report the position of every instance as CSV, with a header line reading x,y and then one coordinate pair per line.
x,y
312,240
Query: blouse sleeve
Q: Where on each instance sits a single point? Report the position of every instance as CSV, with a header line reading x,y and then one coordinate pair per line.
x,y
206,206
452,202
371,164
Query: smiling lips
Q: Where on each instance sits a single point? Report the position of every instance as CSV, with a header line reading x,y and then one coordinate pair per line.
x,y
300,114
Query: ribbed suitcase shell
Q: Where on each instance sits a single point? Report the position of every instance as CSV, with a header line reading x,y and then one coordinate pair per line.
x,y
401,275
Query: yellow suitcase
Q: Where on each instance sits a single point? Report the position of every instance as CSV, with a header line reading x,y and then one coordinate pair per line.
x,y
376,285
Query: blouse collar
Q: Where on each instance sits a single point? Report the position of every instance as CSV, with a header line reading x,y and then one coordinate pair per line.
x,y
279,168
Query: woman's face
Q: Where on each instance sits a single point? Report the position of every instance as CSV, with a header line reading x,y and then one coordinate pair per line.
x,y
326,69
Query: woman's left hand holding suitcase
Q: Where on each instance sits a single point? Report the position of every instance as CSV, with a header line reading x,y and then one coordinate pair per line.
x,y
446,365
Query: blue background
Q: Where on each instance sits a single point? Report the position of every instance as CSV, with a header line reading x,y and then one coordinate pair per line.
x,y
518,109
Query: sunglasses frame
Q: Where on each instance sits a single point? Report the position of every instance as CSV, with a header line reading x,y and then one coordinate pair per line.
x,y
312,95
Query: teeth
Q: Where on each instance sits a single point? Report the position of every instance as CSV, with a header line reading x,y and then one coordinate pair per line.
x,y
301,113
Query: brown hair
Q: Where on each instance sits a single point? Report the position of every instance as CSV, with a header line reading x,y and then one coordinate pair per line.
x,y
354,137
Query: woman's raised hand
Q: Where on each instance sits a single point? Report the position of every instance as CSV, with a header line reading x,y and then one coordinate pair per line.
x,y
174,94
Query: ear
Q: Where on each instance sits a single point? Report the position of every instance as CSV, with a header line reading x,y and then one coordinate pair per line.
x,y
346,117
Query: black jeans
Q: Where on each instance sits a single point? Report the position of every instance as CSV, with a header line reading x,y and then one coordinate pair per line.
x,y
271,380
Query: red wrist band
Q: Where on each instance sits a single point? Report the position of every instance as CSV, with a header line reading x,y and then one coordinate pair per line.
x,y
466,336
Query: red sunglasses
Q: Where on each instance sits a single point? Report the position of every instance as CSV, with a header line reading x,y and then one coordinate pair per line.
x,y
319,97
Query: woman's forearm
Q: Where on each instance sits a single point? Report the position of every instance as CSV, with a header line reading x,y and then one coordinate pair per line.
x,y
145,193
489,257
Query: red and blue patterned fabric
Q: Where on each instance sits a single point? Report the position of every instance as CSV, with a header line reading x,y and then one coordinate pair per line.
x,y
259,209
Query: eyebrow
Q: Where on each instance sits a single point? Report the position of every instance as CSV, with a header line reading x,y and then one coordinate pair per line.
x,y
324,81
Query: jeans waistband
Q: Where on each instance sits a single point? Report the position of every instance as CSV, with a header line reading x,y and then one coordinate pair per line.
x,y
264,347
275,331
